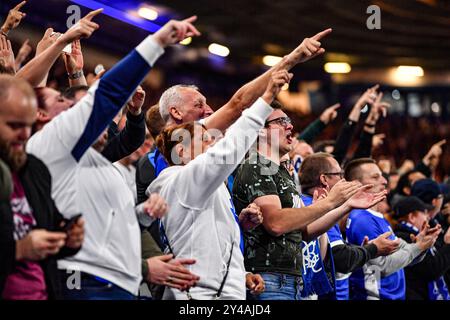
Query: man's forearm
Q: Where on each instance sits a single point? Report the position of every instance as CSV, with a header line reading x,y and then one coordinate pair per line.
x,y
126,141
348,258
325,222
406,253
344,140
312,131
244,98
364,149
37,69
292,219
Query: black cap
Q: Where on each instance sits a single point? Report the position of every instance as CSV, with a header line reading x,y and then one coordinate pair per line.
x,y
408,205
426,190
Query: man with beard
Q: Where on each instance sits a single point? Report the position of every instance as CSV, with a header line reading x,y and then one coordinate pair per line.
x,y
31,239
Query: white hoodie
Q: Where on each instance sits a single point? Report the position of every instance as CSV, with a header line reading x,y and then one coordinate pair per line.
x,y
200,223
83,181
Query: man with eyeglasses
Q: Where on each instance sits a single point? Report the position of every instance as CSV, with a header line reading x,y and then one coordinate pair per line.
x,y
273,249
321,171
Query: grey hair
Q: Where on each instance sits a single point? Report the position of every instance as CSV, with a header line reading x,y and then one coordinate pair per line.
x,y
172,97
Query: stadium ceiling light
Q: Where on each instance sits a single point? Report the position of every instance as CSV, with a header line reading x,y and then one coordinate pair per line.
x,y
337,67
218,50
410,71
148,13
271,60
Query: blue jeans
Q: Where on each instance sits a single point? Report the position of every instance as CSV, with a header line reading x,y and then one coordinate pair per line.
x,y
93,288
280,287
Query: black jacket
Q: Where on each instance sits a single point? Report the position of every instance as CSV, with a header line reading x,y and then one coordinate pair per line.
x,y
36,181
123,143
347,258
429,269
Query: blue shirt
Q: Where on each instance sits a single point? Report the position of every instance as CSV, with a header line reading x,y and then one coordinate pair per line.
x,y
370,223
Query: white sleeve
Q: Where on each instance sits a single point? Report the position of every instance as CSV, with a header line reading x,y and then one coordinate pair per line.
x,y
202,176
76,129
401,258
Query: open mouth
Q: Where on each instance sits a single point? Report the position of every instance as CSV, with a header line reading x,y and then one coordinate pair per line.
x,y
289,138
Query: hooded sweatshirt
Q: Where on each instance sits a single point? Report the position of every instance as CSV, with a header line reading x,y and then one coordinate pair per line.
x,y
201,220
84,181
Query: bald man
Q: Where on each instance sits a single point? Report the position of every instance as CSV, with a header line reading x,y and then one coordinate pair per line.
x,y
30,242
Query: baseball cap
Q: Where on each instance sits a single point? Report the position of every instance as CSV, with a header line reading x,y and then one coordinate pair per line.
x,y
408,205
426,190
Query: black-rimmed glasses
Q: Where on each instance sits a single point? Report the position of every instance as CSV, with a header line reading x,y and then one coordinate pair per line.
x,y
340,174
284,121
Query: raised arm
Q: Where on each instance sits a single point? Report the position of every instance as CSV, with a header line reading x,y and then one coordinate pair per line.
x,y
74,65
316,127
378,108
13,19
36,70
210,169
345,135
426,165
133,135
80,126
247,94
7,56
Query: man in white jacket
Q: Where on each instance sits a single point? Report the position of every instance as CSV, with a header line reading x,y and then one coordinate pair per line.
x,y
202,222
86,182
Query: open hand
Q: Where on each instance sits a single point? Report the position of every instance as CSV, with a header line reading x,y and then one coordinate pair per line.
x,y
164,270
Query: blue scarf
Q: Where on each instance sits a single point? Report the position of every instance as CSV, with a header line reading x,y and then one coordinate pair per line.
x,y
437,289
315,279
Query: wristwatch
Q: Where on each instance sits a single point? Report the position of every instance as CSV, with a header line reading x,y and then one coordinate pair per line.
x,y
76,75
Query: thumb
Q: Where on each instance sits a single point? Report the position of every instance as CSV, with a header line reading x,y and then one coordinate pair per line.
x,y
250,282
386,234
365,241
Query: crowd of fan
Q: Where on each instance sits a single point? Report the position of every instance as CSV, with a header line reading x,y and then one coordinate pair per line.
x,y
102,197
